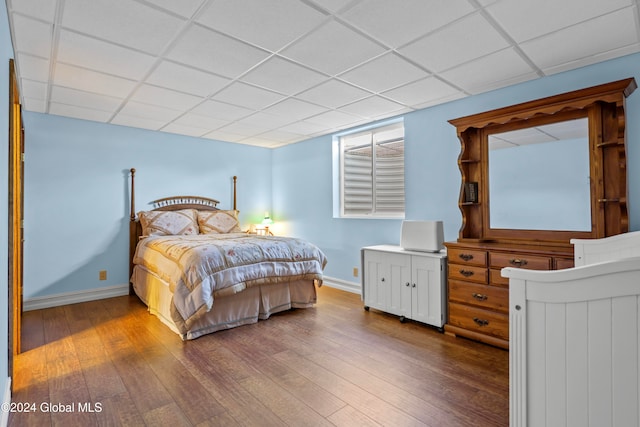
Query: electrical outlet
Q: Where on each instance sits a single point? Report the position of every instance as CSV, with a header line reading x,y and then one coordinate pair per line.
x,y
102,275
355,271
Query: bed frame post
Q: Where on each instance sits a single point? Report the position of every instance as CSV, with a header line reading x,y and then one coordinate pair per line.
x,y
132,229
235,180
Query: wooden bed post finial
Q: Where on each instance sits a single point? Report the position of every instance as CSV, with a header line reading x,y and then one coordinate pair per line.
x,y
235,180
133,193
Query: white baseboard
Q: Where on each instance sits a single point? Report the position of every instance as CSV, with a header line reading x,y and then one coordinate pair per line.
x,y
332,282
56,300
6,400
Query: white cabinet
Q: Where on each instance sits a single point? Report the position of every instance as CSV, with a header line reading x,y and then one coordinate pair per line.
x,y
409,284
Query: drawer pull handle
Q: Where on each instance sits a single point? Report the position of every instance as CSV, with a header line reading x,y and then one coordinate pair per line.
x,y
466,257
479,297
518,262
407,284
382,280
466,273
480,322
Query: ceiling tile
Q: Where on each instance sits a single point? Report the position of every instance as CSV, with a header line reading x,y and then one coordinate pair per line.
x,y
137,122
200,121
185,79
33,89
189,130
245,129
148,111
483,75
465,40
524,20
382,19
215,53
333,94
383,73
374,107
87,52
429,90
79,112
30,67
335,119
583,41
294,109
272,73
271,25
91,81
32,37
221,110
224,136
35,105
247,96
303,128
318,49
36,8
126,22
605,56
265,121
64,95
185,8
165,97
282,136
275,74
332,5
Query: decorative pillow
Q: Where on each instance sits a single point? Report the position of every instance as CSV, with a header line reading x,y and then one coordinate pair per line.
x,y
168,223
218,222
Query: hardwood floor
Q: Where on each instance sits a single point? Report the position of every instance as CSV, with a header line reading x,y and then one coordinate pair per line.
x,y
334,364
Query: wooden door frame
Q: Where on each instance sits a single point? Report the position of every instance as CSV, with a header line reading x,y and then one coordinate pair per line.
x,y
15,215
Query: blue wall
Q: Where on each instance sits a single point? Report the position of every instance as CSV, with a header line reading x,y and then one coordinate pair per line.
x,y
302,177
77,193
76,200
6,52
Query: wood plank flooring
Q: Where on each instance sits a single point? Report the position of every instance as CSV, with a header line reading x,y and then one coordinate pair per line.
x,y
334,364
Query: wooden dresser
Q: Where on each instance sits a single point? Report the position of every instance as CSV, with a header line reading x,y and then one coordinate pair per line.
x,y
478,296
528,226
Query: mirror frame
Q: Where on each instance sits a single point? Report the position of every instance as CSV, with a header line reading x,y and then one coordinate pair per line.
x,y
604,107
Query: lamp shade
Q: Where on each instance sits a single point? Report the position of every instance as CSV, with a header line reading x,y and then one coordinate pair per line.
x,y
267,219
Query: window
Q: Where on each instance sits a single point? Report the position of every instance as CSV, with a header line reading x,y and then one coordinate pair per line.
x,y
372,172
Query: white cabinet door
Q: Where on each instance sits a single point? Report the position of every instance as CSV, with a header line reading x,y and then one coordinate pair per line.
x,y
386,276
407,285
374,272
426,287
399,284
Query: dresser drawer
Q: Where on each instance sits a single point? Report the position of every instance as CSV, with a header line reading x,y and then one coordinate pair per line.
x,y
486,296
562,263
479,320
467,257
496,279
468,273
532,262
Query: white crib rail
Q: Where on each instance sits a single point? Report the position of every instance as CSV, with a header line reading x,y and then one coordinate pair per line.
x,y
590,251
575,345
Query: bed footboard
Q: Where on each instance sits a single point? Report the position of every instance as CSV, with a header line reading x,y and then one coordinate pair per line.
x,y
574,343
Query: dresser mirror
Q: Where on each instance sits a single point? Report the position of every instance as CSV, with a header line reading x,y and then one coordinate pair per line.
x,y
542,174
562,176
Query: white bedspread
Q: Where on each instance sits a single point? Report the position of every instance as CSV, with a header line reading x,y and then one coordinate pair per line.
x,y
200,267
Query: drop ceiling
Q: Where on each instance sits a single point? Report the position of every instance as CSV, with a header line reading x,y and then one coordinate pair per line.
x,y
271,73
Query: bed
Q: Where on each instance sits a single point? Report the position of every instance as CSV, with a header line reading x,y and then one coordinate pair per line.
x,y
195,269
574,338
